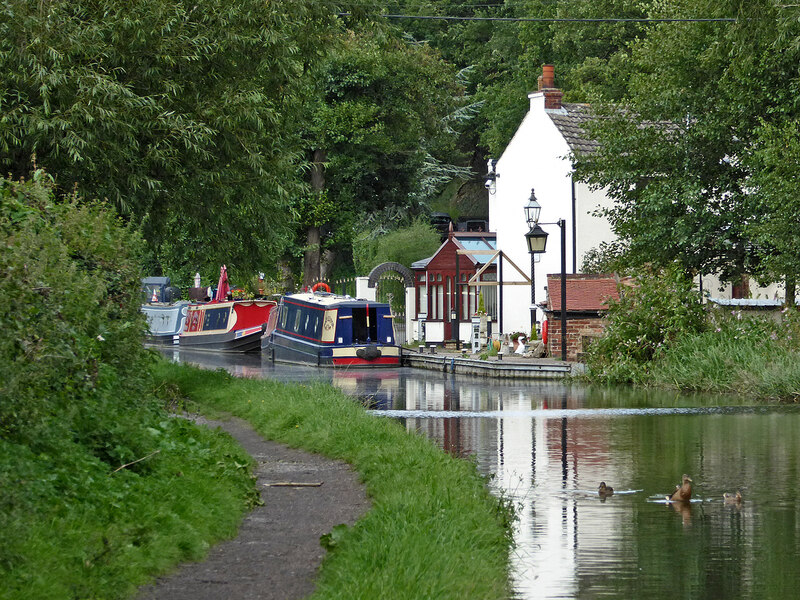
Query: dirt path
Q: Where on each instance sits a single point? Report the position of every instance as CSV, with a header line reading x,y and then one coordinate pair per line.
x,y
277,553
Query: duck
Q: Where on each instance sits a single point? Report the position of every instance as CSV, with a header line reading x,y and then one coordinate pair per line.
x,y
605,490
732,498
683,493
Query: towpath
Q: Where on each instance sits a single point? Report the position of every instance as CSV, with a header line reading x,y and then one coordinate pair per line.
x,y
277,553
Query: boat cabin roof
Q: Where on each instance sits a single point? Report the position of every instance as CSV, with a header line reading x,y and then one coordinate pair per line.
x,y
326,300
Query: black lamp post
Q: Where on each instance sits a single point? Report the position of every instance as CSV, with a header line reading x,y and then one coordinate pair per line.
x,y
532,211
537,242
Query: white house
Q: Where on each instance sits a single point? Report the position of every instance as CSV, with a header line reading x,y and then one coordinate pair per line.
x,y
538,159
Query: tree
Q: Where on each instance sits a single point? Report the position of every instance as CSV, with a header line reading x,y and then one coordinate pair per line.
x,y
404,245
676,157
379,117
590,57
183,115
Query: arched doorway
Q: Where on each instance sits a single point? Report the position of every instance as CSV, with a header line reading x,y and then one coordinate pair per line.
x,y
391,281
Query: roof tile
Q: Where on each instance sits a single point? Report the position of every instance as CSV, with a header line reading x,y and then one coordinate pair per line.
x,y
584,292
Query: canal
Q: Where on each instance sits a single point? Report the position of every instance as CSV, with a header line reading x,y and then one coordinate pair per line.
x,y
546,447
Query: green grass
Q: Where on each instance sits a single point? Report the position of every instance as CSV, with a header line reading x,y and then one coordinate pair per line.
x,y
73,528
710,362
434,530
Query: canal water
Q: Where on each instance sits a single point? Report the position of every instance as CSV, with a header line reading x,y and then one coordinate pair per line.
x,y
546,447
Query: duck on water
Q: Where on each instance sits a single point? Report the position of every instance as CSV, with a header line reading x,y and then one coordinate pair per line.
x,y
683,492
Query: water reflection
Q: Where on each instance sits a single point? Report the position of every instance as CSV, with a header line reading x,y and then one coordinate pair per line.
x,y
547,447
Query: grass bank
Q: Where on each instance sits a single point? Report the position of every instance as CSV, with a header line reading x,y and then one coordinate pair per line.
x,y
434,530
720,362
75,527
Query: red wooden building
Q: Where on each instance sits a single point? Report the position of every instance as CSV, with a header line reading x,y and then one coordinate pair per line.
x,y
442,288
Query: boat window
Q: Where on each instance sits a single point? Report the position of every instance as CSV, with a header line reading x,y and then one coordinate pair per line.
x,y
297,319
313,327
284,315
216,318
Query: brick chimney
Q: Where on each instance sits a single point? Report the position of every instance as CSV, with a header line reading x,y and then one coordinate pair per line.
x,y
547,85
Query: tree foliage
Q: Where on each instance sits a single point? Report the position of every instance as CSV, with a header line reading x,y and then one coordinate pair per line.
x,y
380,118
183,115
590,57
381,111
679,158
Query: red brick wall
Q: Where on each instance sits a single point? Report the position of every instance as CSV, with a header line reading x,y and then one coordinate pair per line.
x,y
577,329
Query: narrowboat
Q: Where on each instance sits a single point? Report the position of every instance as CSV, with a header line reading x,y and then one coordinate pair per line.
x,y
328,330
231,326
165,322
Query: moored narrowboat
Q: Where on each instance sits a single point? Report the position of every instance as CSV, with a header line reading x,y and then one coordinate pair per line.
x,y
165,322
328,330
232,326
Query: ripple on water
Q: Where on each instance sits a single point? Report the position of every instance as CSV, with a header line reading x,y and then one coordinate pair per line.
x,y
581,413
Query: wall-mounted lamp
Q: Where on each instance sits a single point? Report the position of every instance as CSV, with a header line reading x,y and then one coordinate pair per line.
x,y
491,176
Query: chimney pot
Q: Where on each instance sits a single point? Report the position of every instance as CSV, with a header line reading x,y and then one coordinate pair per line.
x,y
548,77
547,85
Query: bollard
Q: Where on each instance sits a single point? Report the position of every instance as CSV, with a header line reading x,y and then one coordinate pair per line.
x,y
499,356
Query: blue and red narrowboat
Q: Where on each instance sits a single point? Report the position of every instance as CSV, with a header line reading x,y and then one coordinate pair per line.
x,y
328,330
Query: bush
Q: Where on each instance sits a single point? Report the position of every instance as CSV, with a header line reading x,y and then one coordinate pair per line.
x,y
99,487
71,348
404,245
645,321
753,355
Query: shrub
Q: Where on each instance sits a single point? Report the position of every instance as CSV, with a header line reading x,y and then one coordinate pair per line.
x,y
99,487
72,334
646,320
736,353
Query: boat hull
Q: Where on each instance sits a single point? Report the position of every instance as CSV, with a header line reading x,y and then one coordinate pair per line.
x,y
280,348
231,341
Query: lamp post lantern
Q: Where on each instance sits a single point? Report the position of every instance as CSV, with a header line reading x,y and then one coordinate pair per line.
x,y
536,239
532,210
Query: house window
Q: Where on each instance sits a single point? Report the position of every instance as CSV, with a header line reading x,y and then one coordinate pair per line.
x,y
423,299
449,298
436,292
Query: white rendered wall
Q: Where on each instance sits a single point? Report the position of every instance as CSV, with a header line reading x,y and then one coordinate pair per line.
x,y
536,157
591,229
411,306
363,291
